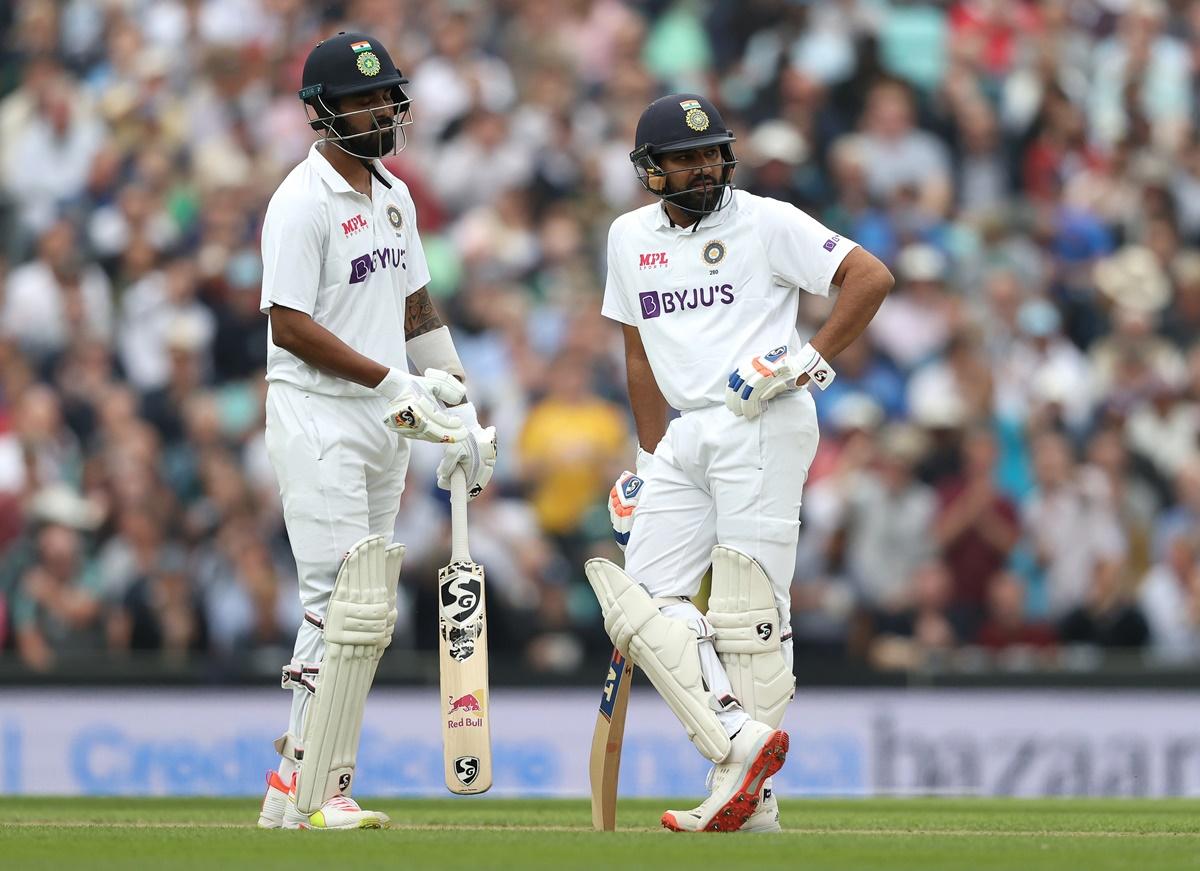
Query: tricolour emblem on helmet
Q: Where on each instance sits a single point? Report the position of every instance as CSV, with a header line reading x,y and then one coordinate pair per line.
x,y
696,119
368,63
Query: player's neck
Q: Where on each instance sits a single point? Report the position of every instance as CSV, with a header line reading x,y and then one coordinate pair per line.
x,y
349,167
680,218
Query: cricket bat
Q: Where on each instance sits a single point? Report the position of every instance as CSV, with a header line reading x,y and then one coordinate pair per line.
x,y
462,646
605,764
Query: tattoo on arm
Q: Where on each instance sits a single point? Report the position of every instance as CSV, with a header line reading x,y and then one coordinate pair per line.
x,y
420,316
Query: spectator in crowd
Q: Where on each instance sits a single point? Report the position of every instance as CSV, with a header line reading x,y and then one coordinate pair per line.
x,y
1007,628
57,609
573,441
1107,617
977,527
1073,528
885,519
925,629
1170,599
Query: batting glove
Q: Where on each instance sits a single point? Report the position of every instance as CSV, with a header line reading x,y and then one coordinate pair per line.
x,y
764,377
623,500
476,453
414,410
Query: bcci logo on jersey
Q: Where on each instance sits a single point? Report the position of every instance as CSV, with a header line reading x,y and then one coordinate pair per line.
x,y
655,303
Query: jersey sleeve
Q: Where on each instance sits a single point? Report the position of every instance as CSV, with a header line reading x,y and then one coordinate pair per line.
x,y
293,250
802,251
418,266
617,304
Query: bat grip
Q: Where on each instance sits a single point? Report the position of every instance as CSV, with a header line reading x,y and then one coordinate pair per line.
x,y
458,517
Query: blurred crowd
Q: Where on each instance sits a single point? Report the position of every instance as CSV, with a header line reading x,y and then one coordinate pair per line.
x,y
1009,469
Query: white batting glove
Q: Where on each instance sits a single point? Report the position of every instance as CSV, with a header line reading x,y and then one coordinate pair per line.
x,y
476,453
414,410
752,384
623,500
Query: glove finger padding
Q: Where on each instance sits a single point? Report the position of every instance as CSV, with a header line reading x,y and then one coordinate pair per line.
x,y
622,502
762,378
476,455
443,386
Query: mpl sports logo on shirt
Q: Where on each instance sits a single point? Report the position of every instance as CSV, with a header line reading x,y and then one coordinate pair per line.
x,y
379,258
652,260
354,225
654,303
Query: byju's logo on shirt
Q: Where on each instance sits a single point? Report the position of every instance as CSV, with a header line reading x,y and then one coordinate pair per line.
x,y
358,222
653,260
380,258
655,303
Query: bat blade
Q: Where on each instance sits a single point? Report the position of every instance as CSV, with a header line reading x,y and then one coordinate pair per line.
x,y
465,699
463,659
605,764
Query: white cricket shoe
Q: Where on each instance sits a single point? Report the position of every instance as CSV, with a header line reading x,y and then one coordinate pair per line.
x,y
340,812
275,802
766,816
757,751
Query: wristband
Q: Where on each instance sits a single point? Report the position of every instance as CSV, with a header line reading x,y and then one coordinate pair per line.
x,y
811,363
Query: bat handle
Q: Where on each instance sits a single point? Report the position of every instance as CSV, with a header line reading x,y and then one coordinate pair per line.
x,y
458,517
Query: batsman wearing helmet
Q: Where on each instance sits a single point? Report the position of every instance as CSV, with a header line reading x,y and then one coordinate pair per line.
x,y
344,285
706,284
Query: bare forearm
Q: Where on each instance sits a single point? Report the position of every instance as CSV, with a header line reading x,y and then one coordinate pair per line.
x,y
864,282
649,406
321,349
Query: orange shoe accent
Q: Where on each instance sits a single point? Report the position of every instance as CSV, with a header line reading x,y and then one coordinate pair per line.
x,y
274,781
741,807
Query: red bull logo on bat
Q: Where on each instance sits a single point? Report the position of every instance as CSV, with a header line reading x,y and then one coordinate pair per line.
x,y
458,715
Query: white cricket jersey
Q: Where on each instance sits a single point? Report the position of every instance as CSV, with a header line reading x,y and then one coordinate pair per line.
x,y
347,260
708,297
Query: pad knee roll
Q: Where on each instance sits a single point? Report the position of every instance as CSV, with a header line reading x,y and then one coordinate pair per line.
x,y
742,611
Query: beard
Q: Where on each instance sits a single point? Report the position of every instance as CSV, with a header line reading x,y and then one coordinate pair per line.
x,y
703,199
376,143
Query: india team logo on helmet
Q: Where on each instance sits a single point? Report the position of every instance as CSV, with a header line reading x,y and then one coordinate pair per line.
x,y
368,63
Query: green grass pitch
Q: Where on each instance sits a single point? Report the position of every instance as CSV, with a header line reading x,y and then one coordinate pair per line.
x,y
889,834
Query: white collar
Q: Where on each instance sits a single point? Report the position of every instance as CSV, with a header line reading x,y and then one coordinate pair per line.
x,y
712,219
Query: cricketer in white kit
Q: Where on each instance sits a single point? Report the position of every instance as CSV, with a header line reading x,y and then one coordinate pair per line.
x,y
344,285
706,286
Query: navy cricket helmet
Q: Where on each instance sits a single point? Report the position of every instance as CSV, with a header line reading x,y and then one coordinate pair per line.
x,y
683,122
348,64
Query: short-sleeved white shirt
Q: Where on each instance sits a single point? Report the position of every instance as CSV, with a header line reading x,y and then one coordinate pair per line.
x,y
705,298
347,260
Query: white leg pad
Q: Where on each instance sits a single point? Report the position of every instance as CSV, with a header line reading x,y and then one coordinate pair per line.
x,y
666,649
742,611
357,629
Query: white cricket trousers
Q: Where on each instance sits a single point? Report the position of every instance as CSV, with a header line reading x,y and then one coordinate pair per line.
x,y
341,473
716,478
